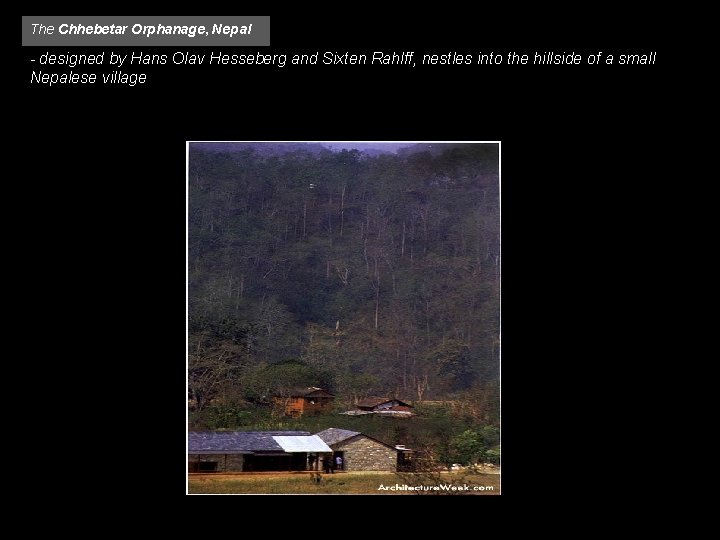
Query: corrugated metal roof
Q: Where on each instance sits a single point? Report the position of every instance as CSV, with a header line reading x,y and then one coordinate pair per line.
x,y
335,435
313,443
236,442
373,401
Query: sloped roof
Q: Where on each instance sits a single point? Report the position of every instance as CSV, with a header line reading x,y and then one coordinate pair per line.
x,y
335,435
388,412
372,401
401,408
308,391
236,442
375,401
302,444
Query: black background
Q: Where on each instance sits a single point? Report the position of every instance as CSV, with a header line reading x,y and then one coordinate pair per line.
x,y
582,151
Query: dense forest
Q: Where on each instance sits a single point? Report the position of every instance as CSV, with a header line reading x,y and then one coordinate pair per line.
x,y
365,273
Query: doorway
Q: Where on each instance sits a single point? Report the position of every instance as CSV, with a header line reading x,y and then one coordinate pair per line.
x,y
338,464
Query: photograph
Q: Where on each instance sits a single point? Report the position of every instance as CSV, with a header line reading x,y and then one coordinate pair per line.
x,y
343,317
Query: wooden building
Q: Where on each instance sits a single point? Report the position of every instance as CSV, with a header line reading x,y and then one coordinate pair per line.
x,y
311,400
360,452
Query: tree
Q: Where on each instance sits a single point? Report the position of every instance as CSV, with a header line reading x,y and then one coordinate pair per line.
x,y
467,448
212,371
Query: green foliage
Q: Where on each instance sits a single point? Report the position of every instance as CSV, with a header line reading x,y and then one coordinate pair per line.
x,y
263,382
217,417
493,456
490,435
467,448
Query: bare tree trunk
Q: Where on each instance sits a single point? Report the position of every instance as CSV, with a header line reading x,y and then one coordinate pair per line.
x,y
377,305
421,384
405,374
367,264
425,230
342,274
304,217
376,285
342,210
329,215
427,319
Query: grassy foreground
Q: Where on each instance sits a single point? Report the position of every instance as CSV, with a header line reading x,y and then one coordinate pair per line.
x,y
345,483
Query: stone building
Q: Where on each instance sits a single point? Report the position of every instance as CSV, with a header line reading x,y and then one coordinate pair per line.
x,y
290,451
360,452
250,451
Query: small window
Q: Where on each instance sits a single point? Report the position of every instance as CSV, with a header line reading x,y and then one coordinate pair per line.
x,y
207,466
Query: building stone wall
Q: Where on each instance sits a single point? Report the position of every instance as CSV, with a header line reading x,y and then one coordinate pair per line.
x,y
364,454
226,462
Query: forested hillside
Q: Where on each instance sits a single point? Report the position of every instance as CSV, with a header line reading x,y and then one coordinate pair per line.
x,y
364,273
